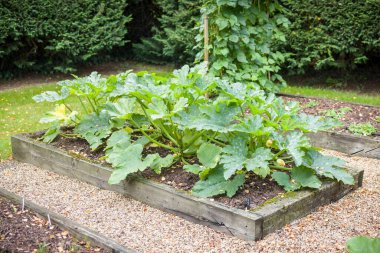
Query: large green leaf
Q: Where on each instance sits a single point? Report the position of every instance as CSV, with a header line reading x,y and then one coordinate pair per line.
x,y
161,162
157,109
283,179
123,108
216,184
208,117
51,133
296,144
234,156
209,155
118,137
363,244
94,128
313,123
306,177
127,160
260,161
252,124
328,166
51,96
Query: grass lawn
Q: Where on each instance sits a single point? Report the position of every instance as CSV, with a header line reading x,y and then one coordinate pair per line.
x,y
19,113
349,96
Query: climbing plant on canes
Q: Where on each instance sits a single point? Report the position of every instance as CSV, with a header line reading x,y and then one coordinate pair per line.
x,y
241,34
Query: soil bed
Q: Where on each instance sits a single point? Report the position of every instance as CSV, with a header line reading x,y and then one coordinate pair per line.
x,y
254,192
25,231
357,114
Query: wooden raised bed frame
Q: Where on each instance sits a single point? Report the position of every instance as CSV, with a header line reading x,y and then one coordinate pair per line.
x,y
345,143
252,224
75,228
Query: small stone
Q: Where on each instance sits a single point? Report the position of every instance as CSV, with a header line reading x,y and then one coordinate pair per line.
x,y
163,178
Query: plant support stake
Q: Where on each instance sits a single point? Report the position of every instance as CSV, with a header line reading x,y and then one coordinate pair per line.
x,y
205,23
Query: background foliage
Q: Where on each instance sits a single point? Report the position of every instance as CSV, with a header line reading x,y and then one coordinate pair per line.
x,y
48,35
173,36
241,37
338,33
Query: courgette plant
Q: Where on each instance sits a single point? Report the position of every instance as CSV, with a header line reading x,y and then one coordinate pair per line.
x,y
216,129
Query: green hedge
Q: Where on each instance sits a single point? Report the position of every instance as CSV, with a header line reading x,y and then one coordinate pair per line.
x,y
331,33
173,38
323,34
56,35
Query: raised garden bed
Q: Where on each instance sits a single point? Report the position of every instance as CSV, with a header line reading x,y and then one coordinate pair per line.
x,y
86,240
342,139
251,224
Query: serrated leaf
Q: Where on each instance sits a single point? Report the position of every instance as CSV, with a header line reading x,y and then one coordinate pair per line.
x,y
94,128
313,123
296,143
209,155
216,184
51,134
260,161
126,161
51,96
118,137
161,162
157,109
123,108
208,117
193,168
306,177
363,244
252,124
328,166
180,104
283,179
234,156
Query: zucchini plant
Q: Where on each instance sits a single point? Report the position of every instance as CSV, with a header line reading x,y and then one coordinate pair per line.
x,y
217,129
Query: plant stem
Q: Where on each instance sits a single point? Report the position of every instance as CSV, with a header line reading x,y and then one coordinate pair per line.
x,y
92,105
83,106
278,167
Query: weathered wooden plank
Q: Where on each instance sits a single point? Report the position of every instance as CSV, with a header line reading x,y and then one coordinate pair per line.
x,y
249,225
76,229
349,144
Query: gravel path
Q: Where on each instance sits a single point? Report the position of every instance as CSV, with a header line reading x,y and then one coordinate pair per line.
x,y
149,230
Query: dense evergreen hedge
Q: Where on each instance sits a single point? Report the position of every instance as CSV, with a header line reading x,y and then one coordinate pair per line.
x,y
57,35
48,35
331,33
325,33
173,39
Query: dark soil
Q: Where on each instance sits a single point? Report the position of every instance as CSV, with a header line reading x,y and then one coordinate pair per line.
x,y
25,231
254,192
358,113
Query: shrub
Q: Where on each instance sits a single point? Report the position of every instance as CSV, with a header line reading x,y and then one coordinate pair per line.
x,y
173,37
338,33
56,35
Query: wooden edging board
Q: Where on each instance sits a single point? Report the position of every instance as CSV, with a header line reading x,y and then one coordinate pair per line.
x,y
251,224
76,229
345,143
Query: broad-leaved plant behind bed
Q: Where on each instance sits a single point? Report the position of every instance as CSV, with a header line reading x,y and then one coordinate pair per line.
x,y
216,129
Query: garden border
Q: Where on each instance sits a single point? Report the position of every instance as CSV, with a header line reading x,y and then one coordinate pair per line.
x,y
346,143
253,224
78,230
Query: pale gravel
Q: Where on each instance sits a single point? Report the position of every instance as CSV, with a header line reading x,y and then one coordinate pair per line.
x,y
146,229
